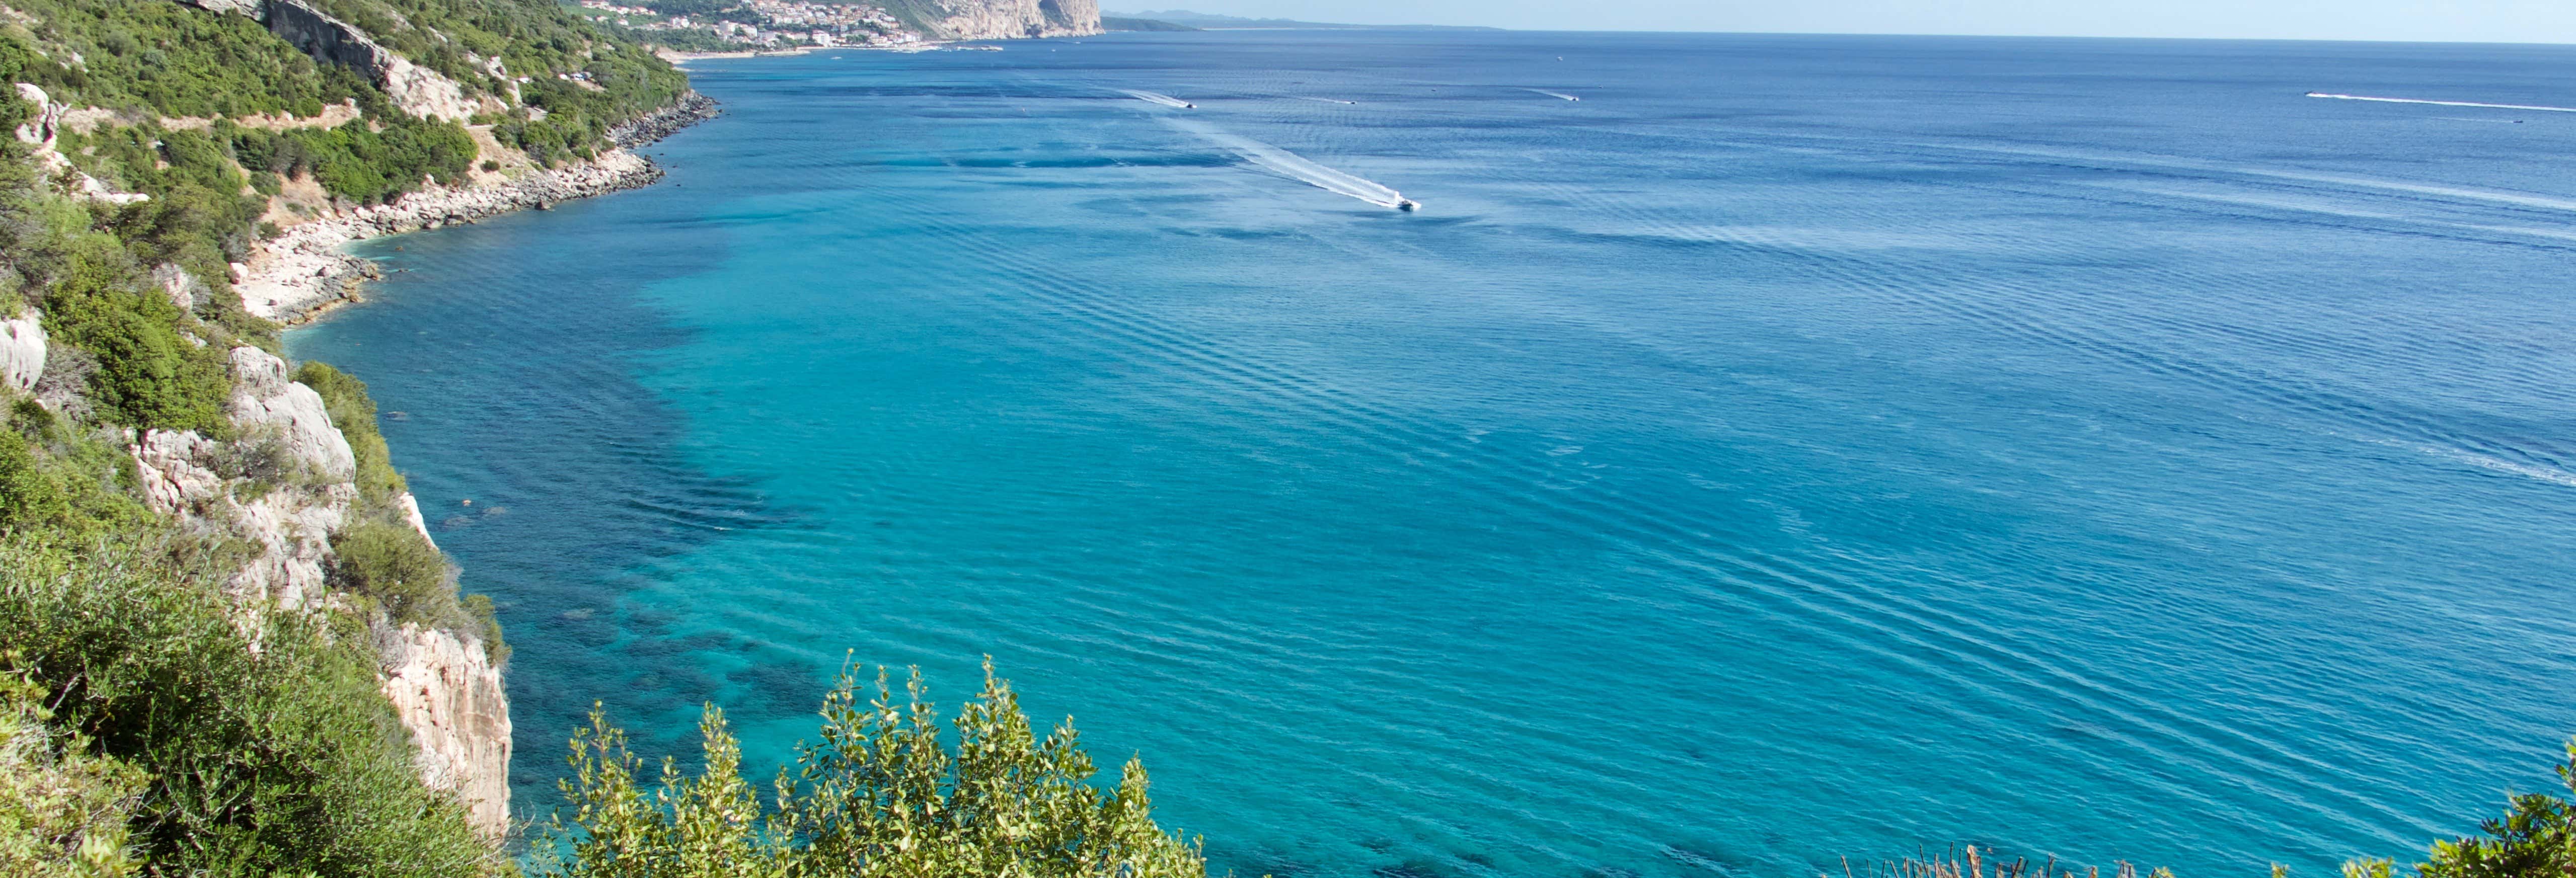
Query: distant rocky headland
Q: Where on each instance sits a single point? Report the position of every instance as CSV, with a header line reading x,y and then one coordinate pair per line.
x,y
758,25
1186,20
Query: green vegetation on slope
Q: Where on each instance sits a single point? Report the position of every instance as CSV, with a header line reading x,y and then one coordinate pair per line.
x,y
366,162
166,58
584,80
355,414
57,482
380,557
63,812
164,725
84,267
150,375
280,759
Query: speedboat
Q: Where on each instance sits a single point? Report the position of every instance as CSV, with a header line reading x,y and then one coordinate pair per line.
x,y
1407,205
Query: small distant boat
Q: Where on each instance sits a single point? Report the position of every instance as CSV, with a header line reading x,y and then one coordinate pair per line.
x,y
1407,205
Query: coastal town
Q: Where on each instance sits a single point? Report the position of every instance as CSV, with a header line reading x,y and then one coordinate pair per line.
x,y
758,24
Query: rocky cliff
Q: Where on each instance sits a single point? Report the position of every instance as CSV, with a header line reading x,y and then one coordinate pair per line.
x,y
283,486
451,699
40,131
419,90
22,352
1006,19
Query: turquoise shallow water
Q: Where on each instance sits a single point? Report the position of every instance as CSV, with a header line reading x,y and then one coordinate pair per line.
x,y
1797,447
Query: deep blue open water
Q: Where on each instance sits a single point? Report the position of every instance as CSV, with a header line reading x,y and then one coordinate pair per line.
x,y
1796,448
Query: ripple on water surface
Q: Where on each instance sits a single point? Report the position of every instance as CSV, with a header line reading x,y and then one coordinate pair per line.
x,y
2076,447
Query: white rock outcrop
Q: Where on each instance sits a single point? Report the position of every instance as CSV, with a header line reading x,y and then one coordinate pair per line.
x,y
263,396
40,131
449,695
22,352
175,471
250,8
184,289
182,474
418,90
1014,19
443,687
196,479
410,507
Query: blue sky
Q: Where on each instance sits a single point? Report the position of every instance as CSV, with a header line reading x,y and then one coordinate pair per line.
x,y
2429,20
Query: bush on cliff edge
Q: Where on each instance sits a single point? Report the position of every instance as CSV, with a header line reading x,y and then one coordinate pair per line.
x,y
284,759
882,794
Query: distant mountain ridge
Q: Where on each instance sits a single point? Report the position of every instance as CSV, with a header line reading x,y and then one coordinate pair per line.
x,y
1115,23
1209,21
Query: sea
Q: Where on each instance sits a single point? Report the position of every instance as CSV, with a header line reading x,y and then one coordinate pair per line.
x,y
1758,455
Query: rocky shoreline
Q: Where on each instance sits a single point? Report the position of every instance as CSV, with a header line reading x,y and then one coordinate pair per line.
x,y
304,272
691,109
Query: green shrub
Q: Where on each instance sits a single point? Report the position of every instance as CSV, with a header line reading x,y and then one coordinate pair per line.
x,y
63,812
2536,838
166,57
369,161
28,494
149,375
382,556
355,414
487,625
880,795
397,568
59,485
286,760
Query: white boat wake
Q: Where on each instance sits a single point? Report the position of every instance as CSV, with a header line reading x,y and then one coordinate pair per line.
x,y
1294,167
2320,94
1154,98
1320,100
1554,94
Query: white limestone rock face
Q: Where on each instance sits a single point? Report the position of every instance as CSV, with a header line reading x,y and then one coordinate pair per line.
x,y
41,130
22,352
423,92
175,469
248,8
418,90
290,515
293,530
1013,19
449,695
40,127
264,397
184,289
444,688
182,474
410,507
